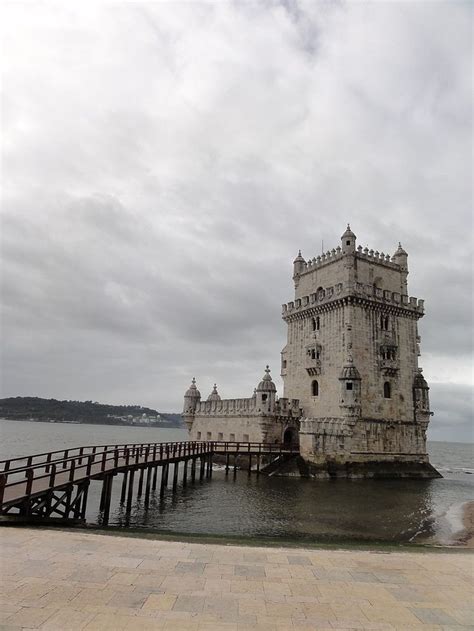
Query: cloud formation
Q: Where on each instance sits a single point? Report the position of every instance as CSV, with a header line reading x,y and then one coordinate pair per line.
x,y
163,163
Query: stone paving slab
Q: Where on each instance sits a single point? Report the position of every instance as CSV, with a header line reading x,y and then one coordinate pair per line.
x,y
77,580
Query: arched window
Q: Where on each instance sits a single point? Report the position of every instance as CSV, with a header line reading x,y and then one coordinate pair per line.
x,y
387,390
385,324
315,388
313,324
318,324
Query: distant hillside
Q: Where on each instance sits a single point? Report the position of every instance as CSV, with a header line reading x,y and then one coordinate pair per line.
x,y
37,409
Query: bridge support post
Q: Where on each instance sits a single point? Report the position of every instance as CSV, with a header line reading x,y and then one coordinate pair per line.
x,y
124,487
210,464
227,458
249,470
163,480
201,468
193,469
235,465
155,474
102,494
130,490
140,483
258,464
175,476
147,486
185,473
85,492
108,496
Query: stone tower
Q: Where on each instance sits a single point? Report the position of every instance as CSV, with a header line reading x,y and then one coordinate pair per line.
x,y
351,360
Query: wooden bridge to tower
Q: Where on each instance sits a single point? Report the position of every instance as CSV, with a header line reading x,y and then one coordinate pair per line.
x,y
55,485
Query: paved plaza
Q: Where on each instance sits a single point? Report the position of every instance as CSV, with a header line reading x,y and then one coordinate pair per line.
x,y
62,580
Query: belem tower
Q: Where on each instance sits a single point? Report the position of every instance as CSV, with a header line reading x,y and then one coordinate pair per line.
x,y
354,397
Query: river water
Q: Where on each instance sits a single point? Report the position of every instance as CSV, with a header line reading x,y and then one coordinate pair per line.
x,y
282,509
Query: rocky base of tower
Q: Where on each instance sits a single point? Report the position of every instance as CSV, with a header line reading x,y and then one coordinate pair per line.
x,y
376,470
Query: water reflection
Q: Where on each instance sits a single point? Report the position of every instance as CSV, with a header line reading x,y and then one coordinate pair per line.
x,y
295,509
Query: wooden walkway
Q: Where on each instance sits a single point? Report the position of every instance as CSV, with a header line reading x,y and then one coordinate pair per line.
x,y
55,484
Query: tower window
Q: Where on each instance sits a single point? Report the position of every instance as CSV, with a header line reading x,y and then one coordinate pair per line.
x,y
264,397
317,323
349,385
387,390
348,242
315,388
313,353
283,363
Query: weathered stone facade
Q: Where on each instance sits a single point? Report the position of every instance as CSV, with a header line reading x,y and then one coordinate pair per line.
x,y
350,370
259,418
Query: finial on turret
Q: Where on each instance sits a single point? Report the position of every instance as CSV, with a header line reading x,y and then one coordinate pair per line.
x,y
214,396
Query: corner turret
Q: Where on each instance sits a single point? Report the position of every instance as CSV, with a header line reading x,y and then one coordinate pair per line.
x,y
348,241
350,380
191,399
421,400
401,258
266,393
299,265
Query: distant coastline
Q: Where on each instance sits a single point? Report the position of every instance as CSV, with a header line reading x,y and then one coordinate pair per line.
x,y
36,409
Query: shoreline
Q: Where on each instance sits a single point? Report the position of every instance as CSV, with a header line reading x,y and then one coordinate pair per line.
x,y
465,538
459,542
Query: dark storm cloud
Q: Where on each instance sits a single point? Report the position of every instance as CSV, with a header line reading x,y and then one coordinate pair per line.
x,y
164,163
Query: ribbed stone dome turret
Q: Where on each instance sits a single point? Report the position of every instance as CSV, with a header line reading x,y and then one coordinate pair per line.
x,y
400,251
349,371
192,391
348,233
214,396
420,381
266,385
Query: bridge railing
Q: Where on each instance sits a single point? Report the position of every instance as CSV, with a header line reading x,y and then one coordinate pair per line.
x,y
61,455
40,472
50,473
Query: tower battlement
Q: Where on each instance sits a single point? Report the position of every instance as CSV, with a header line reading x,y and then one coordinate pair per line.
x,y
383,298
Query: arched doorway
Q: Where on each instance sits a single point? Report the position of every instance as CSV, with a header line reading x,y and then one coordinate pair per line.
x,y
290,437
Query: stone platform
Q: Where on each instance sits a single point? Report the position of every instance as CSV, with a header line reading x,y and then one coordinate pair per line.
x,y
68,580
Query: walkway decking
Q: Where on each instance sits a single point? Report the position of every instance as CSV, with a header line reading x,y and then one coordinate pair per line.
x,y
68,581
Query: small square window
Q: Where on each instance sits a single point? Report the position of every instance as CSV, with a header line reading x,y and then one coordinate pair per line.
x,y
349,386
220,436
199,435
348,242
246,438
209,435
232,438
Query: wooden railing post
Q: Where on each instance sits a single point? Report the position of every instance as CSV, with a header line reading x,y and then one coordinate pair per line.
x,y
3,482
29,482
72,470
52,475
66,454
90,460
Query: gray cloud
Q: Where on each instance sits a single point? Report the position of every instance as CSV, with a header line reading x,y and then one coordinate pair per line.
x,y
163,164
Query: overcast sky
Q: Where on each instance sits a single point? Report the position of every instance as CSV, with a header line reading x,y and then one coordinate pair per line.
x,y
163,163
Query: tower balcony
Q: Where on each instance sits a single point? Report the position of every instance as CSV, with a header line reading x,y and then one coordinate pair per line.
x,y
313,366
389,366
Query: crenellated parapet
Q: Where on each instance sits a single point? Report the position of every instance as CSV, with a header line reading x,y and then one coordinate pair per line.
x,y
336,254
249,406
316,301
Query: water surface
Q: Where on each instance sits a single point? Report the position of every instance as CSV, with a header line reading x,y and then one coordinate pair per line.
x,y
288,509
